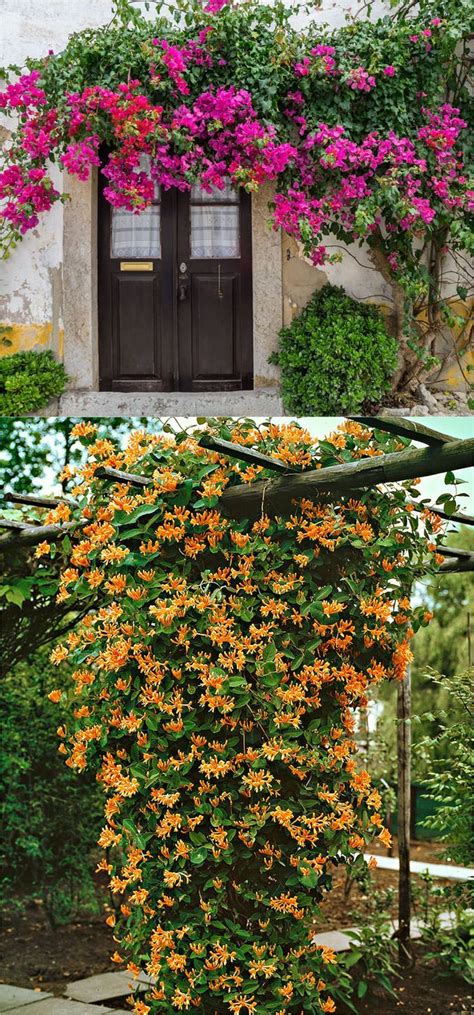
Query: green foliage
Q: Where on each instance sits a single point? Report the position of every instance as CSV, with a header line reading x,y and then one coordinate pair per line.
x,y
28,380
49,820
31,450
373,953
450,941
443,648
335,356
450,781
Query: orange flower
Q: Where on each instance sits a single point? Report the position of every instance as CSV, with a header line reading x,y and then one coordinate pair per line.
x,y
42,549
83,429
55,696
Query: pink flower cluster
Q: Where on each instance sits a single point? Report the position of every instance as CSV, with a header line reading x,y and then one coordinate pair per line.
x,y
321,61
353,189
24,93
327,182
26,193
175,61
360,80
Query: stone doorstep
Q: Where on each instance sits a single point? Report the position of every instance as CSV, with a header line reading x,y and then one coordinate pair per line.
x,y
259,402
106,986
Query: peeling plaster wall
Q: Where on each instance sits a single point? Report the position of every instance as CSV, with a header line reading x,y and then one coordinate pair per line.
x,y
31,281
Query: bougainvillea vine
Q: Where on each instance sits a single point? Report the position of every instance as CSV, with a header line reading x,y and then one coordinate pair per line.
x,y
215,693
360,129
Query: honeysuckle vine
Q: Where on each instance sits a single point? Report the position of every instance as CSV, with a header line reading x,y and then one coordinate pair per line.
x,y
215,691
362,130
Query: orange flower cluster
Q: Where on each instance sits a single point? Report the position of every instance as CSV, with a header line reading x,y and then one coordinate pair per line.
x,y
217,677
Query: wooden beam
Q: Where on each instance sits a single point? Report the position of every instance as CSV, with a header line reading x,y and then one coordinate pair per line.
x,y
273,497
28,498
453,551
31,535
404,812
456,564
405,428
13,523
243,454
456,517
132,478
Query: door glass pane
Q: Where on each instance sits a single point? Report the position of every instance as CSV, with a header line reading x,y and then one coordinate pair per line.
x,y
215,231
136,235
229,194
215,227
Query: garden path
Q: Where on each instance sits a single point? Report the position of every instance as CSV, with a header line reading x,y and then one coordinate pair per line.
x,y
84,996
437,870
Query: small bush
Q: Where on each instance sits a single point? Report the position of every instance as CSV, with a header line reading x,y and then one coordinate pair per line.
x,y
49,819
28,380
335,356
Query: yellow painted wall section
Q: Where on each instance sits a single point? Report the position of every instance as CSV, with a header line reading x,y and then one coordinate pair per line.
x,y
22,337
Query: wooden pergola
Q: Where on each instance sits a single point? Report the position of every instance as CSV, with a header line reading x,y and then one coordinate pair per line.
x,y
273,496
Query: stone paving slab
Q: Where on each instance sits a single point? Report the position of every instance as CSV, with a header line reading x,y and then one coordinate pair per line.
x,y
106,986
338,940
18,997
61,1006
437,870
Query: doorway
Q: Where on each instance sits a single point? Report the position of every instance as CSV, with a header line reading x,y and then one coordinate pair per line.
x,y
175,293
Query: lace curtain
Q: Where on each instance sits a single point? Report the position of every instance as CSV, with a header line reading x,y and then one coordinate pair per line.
x,y
137,235
215,223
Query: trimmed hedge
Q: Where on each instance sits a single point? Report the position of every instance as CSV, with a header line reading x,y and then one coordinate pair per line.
x,y
335,356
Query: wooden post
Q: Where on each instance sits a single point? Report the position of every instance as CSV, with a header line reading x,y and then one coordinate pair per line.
x,y
404,780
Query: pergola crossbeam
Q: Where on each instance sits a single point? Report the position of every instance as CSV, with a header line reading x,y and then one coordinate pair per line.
x,y
243,454
31,535
405,428
36,501
277,496
435,510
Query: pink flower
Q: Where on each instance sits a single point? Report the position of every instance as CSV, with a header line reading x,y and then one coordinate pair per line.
x,y
360,80
389,71
214,6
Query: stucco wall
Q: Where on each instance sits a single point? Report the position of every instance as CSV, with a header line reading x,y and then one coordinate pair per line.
x,y
31,281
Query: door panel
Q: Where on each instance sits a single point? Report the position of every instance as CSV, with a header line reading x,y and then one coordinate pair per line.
x,y
138,326
169,320
214,328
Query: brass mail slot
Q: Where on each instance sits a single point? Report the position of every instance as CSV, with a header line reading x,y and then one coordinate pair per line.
x,y
136,266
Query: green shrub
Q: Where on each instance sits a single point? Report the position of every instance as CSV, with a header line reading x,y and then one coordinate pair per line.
x,y
49,819
28,380
335,356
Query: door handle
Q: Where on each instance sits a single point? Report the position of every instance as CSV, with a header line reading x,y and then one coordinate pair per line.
x,y
182,291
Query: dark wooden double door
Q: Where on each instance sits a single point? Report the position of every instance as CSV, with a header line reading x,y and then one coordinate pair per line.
x,y
175,293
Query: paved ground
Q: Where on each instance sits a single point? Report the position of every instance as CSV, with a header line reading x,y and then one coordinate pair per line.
x,y
437,870
96,994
